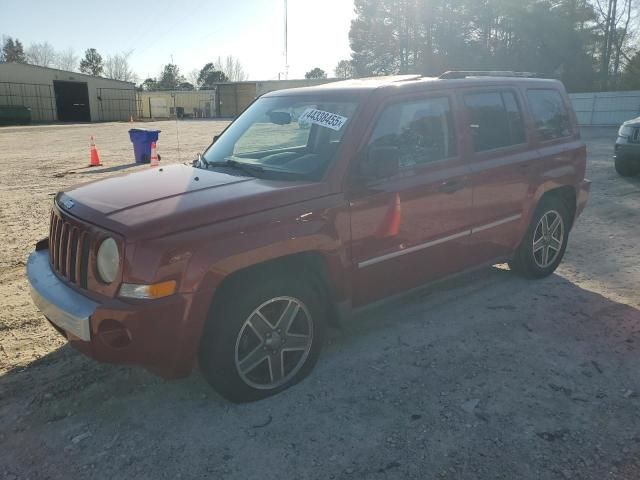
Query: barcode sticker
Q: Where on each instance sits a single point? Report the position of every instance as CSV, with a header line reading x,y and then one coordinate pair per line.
x,y
324,119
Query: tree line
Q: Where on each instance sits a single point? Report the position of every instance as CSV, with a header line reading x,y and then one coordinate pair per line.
x,y
589,44
43,54
220,70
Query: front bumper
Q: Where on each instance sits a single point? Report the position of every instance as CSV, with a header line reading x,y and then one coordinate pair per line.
x,y
63,306
161,335
627,151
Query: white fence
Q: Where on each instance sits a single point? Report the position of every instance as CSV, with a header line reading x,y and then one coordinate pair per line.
x,y
606,108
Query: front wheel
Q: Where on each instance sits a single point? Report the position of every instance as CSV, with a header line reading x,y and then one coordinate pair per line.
x,y
262,339
545,242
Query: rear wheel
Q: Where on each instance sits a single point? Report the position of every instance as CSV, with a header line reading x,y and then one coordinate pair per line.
x,y
625,168
262,339
545,242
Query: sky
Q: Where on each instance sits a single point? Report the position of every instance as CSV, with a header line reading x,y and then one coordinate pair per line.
x,y
192,32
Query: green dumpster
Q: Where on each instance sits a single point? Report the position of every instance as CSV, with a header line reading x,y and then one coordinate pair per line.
x,y
15,115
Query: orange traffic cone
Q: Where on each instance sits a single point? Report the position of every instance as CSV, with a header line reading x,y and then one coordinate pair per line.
x,y
94,159
155,161
390,226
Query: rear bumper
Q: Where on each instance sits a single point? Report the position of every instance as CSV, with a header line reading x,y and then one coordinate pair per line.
x,y
584,191
155,334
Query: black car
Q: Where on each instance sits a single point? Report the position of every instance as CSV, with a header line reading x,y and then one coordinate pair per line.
x,y
627,150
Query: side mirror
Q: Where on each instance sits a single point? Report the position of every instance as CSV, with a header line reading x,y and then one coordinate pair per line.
x,y
381,162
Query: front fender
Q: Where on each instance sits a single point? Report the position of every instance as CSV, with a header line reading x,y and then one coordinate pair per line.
x,y
211,254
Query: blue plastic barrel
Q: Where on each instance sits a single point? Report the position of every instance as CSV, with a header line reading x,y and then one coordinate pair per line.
x,y
142,140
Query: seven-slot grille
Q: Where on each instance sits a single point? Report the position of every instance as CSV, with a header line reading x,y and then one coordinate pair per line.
x,y
69,249
635,137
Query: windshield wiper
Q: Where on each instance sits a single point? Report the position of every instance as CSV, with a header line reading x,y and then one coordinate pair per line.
x,y
249,168
199,161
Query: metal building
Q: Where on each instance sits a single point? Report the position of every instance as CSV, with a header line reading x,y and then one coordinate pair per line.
x,y
234,97
224,100
183,104
58,95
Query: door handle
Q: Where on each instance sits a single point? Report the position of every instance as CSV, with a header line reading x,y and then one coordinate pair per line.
x,y
451,186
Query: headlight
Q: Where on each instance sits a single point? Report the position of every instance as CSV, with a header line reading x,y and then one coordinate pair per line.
x,y
108,260
625,131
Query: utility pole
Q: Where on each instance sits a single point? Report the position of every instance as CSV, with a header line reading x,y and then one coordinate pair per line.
x,y
286,42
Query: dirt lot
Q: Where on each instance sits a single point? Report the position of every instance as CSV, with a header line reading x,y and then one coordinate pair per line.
x,y
490,376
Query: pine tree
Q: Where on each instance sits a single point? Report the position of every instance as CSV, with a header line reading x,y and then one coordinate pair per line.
x,y
92,62
13,51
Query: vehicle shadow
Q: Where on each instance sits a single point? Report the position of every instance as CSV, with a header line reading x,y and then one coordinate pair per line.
x,y
116,168
86,170
635,181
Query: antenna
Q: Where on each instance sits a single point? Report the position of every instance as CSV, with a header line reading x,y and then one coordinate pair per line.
x,y
175,111
286,44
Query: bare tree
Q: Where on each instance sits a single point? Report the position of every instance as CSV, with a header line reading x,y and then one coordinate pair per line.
x,y
67,60
614,21
192,77
117,67
232,68
41,54
622,37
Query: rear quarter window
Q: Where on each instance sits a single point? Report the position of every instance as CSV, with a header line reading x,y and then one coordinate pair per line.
x,y
549,113
495,120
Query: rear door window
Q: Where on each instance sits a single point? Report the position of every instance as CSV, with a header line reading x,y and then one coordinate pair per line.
x,y
549,113
421,129
495,119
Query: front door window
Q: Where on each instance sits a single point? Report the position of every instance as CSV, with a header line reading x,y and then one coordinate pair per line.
x,y
421,130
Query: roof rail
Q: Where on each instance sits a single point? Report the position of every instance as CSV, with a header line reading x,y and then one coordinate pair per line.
x,y
455,74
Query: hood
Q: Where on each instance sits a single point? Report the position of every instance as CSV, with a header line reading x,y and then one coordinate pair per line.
x,y
164,200
633,122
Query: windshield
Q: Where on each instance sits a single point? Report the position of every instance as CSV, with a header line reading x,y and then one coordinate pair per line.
x,y
289,137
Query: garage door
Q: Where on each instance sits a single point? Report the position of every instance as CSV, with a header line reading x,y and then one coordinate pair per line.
x,y
159,108
72,101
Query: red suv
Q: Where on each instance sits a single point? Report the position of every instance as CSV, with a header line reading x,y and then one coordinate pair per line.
x,y
313,203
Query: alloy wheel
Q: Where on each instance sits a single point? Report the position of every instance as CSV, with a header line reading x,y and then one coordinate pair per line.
x,y
274,343
548,239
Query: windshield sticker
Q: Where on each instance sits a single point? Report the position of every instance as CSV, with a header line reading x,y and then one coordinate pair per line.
x,y
324,119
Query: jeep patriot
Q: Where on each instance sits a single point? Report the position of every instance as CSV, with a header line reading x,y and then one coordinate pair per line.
x,y
313,203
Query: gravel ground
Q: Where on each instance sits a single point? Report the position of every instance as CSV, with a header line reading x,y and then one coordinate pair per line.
x,y
486,377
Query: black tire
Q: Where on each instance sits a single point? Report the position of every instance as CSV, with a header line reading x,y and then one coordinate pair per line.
x,y
526,262
625,168
226,323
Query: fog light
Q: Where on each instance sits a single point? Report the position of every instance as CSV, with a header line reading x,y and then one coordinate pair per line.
x,y
156,290
114,334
